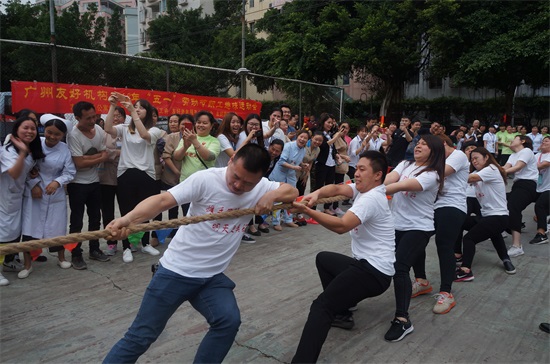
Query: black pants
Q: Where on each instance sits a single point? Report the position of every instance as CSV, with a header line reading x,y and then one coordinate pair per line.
x,y
323,176
542,209
346,281
448,225
108,194
338,179
409,246
134,186
473,207
10,257
522,194
481,229
84,196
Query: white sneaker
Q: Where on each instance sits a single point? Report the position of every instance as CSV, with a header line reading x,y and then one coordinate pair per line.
x,y
64,264
13,266
24,273
127,256
111,250
3,280
515,251
149,250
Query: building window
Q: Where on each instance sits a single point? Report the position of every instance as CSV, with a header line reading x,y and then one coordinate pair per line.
x,y
251,3
345,79
252,26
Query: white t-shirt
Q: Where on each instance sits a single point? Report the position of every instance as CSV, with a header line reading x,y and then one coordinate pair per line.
x,y
530,171
374,239
375,144
354,145
223,159
491,192
543,183
278,134
491,140
80,145
137,152
537,141
414,210
205,249
454,188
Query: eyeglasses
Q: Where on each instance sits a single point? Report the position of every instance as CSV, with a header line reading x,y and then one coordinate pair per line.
x,y
254,124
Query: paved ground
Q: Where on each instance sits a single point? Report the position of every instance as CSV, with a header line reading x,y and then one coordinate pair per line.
x,y
69,316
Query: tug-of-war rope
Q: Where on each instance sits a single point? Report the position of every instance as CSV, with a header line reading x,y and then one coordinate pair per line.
x,y
30,245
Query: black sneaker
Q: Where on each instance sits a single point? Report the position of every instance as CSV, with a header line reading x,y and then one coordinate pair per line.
x,y
398,330
78,263
343,321
545,326
98,255
509,267
539,239
247,239
462,276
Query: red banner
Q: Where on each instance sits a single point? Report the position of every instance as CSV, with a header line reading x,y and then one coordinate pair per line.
x,y
45,97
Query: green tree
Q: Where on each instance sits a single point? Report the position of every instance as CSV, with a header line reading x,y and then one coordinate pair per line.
x,y
384,48
302,39
494,44
114,41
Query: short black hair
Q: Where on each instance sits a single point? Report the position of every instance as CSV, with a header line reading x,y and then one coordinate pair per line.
x,y
255,158
82,106
58,124
277,142
378,162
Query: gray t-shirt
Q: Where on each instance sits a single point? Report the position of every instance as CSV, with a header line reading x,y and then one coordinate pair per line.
x,y
81,145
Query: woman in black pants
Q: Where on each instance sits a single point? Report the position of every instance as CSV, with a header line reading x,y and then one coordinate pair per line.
x,y
489,179
524,190
415,185
325,164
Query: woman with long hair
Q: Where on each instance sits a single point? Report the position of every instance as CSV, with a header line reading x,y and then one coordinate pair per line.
x,y
17,158
342,163
523,164
228,136
136,177
45,207
414,186
489,179
252,132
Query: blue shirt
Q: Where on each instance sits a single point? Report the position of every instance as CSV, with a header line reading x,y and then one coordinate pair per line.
x,y
292,154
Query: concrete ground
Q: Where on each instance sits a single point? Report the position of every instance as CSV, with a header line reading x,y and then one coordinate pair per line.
x,y
69,316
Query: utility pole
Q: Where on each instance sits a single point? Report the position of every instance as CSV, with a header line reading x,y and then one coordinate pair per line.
x,y
52,41
243,71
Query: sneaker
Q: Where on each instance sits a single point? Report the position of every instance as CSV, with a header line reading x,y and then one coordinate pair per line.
x,y
545,326
445,301
64,264
312,221
419,288
78,263
459,261
339,211
247,239
111,250
398,330
462,276
263,228
515,251
3,281
133,248
343,321
508,266
127,256
98,255
13,266
24,273
539,239
149,250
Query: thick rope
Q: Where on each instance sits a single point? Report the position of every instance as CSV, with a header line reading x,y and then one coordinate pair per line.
x,y
26,246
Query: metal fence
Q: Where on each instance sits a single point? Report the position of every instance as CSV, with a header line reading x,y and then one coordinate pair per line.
x,y
64,64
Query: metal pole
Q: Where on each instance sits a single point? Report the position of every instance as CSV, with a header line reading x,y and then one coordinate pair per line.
x,y
341,103
243,50
300,106
52,42
167,78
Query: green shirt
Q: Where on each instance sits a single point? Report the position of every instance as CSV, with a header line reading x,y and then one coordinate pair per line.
x,y
191,162
508,137
500,137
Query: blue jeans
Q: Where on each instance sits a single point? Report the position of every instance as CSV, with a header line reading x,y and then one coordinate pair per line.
x,y
212,297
